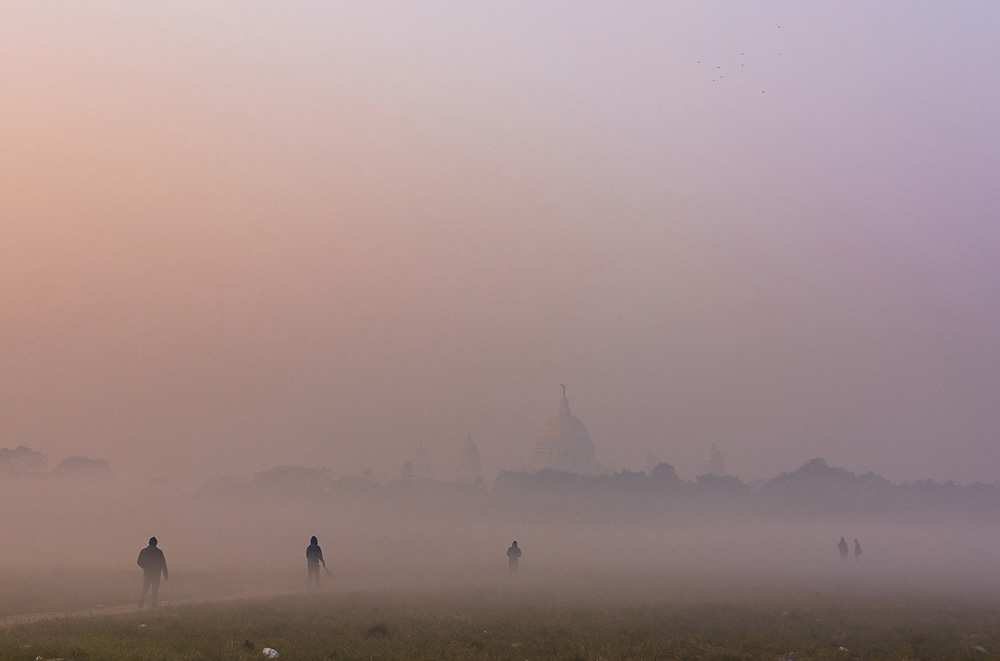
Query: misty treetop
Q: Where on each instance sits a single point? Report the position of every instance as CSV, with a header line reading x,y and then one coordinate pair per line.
x,y
25,462
814,489
22,461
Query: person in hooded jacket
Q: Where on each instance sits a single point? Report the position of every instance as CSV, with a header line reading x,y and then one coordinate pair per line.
x,y
153,563
513,554
314,556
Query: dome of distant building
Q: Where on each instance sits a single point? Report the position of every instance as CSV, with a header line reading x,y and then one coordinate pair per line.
x,y
564,444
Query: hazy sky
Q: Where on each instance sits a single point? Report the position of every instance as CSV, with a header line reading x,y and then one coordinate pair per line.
x,y
240,234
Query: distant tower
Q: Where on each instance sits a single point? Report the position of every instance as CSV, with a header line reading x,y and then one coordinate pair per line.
x,y
714,463
469,470
564,444
650,463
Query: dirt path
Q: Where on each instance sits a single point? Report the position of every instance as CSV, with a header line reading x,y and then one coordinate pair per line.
x,y
99,610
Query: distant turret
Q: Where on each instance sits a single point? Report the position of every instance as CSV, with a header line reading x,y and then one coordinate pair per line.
x,y
650,463
714,463
469,470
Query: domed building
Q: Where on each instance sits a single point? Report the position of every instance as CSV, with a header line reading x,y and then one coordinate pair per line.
x,y
564,444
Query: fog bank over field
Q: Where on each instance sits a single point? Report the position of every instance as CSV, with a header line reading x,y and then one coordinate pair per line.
x,y
407,535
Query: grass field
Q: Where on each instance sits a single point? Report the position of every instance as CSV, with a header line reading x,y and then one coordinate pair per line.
x,y
570,617
34,593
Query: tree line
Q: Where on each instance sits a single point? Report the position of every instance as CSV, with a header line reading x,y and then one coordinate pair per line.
x,y
814,489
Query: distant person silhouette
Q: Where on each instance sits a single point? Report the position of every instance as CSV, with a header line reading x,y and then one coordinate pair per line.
x,y
314,556
513,553
152,562
857,549
843,549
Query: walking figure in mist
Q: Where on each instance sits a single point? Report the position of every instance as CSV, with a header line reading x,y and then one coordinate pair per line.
x,y
314,556
857,549
843,549
513,553
153,563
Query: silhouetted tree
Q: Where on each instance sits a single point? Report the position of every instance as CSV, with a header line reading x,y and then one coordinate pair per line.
x,y
663,476
720,488
627,482
817,488
22,461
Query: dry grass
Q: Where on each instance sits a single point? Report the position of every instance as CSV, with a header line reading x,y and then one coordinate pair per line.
x,y
573,618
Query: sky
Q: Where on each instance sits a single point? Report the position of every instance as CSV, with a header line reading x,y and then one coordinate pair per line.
x,y
236,235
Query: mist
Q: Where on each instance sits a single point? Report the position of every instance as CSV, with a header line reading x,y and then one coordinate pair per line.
x,y
580,540
346,238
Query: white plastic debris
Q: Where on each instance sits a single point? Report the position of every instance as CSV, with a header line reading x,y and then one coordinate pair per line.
x,y
981,649
270,652
843,649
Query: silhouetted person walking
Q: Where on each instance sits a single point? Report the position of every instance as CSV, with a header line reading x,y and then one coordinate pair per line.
x,y
152,562
857,549
513,553
843,549
314,556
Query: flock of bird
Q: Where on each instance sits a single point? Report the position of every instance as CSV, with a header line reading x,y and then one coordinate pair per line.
x,y
718,72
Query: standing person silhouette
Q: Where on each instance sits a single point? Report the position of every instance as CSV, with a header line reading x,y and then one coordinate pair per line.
x,y
513,553
314,556
843,549
857,549
152,562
